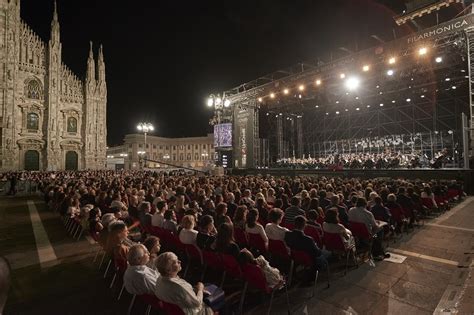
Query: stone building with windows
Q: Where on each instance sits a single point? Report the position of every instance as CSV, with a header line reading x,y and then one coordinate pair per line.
x,y
49,118
193,152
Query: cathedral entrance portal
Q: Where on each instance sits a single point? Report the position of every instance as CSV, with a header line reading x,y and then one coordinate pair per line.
x,y
31,160
71,161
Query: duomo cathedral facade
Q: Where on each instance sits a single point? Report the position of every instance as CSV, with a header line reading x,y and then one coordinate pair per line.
x,y
50,119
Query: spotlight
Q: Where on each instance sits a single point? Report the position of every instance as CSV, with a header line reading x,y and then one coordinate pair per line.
x,y
381,104
453,87
447,79
438,59
317,106
226,103
365,68
422,51
390,72
272,95
301,87
357,108
422,96
408,99
318,82
357,97
393,101
337,112
392,60
268,114
299,96
286,91
342,75
378,86
346,110
352,83
327,114
368,106
210,101
337,102
260,99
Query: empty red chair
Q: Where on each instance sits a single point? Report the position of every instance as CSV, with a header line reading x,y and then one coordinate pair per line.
x,y
152,302
304,259
254,276
333,242
256,241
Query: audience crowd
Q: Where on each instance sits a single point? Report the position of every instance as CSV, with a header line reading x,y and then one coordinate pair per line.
x,y
132,214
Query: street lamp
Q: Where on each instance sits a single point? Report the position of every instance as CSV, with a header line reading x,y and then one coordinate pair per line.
x,y
452,143
145,127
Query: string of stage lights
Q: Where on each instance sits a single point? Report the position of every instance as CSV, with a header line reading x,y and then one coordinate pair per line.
x,y
351,82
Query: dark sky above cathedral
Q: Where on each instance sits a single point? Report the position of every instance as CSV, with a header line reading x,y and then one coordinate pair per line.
x,y
163,58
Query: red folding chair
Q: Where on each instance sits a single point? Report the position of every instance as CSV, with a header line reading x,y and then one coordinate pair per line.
x,y
171,309
240,237
212,260
304,259
256,241
231,267
361,232
254,276
289,226
194,254
333,243
151,301
313,232
280,252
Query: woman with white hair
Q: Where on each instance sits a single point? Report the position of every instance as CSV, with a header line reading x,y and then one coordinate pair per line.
x,y
171,288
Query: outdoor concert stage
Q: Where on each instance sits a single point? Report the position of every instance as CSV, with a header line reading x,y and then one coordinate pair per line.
x,y
412,95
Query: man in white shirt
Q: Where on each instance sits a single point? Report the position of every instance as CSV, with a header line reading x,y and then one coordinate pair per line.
x,y
273,229
138,278
158,217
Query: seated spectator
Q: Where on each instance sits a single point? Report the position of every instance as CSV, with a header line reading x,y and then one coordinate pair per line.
x,y
272,275
246,198
144,215
231,205
158,218
207,233
341,209
298,240
170,223
188,234
361,215
293,211
332,225
379,211
273,229
221,214
313,217
152,244
314,205
107,220
253,227
225,242
262,209
93,221
172,289
118,244
240,217
138,277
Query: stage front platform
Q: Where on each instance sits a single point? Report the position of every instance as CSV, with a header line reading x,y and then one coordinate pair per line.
x,y
467,176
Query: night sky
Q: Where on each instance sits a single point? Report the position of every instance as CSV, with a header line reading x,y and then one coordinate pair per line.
x,y
163,58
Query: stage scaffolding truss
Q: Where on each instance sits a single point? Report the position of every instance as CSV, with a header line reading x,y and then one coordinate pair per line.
x,y
420,95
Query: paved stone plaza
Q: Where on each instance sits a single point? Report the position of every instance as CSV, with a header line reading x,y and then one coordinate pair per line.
x,y
52,274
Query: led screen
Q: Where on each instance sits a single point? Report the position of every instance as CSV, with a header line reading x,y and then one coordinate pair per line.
x,y
223,135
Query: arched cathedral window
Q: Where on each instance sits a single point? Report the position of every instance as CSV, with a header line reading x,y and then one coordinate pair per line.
x,y
33,90
32,121
71,124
